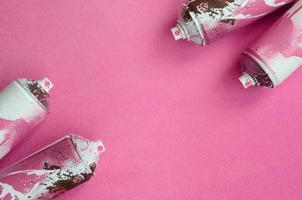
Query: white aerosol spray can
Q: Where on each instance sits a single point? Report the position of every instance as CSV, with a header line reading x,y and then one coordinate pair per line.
x,y
23,105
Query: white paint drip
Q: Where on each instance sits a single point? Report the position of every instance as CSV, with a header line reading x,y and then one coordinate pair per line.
x,y
27,172
8,190
283,66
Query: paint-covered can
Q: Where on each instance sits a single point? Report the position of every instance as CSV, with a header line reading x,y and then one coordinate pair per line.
x,y
273,57
51,171
204,21
23,105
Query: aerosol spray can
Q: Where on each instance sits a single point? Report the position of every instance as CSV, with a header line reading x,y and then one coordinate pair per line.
x,y
51,171
204,21
277,54
23,105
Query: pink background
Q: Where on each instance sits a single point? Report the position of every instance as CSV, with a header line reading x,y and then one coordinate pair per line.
x,y
175,120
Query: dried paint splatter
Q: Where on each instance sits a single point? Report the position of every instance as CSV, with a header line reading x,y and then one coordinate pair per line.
x,y
67,180
213,7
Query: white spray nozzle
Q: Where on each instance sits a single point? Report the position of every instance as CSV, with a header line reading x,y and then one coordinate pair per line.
x,y
177,33
46,84
247,80
100,146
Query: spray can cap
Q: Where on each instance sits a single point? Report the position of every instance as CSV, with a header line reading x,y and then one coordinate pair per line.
x,y
46,84
247,80
177,33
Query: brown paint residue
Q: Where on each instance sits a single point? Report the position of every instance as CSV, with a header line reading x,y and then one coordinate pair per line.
x,y
67,180
48,166
209,6
35,88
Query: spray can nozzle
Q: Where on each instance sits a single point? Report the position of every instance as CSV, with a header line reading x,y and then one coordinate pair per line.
x,y
247,80
46,84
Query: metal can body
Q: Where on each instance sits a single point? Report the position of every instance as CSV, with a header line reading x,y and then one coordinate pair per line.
x,y
279,50
19,113
204,21
51,171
